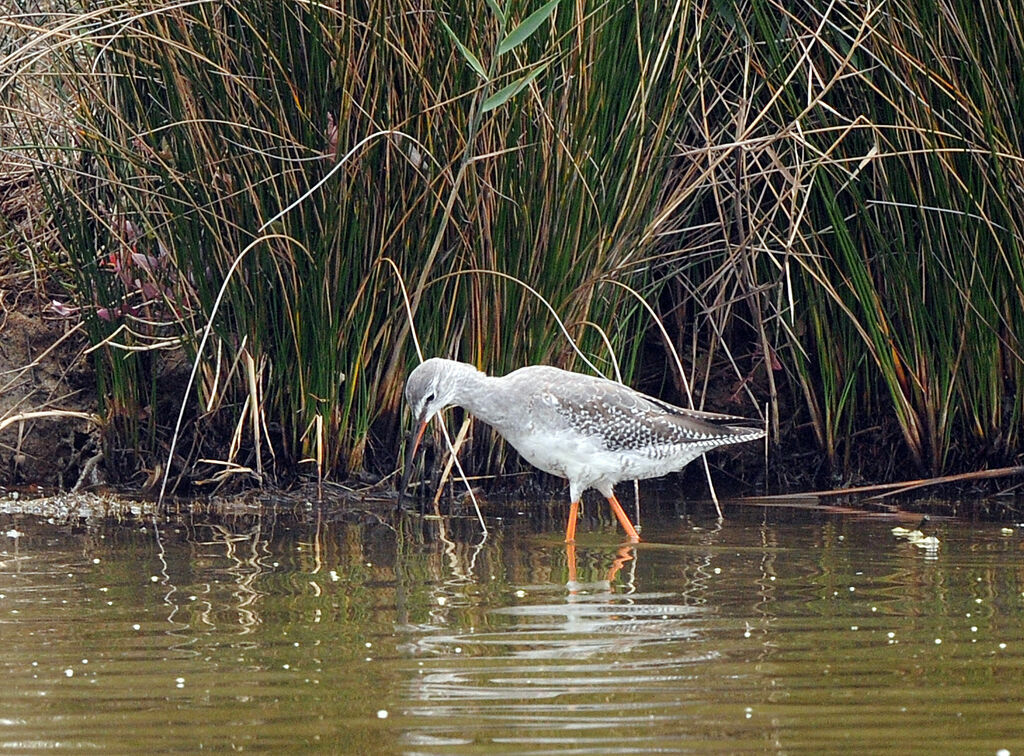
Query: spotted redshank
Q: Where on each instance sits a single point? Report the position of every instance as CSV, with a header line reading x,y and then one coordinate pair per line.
x,y
593,431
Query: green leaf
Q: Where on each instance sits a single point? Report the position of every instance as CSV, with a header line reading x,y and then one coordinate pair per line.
x,y
473,61
529,25
507,92
497,11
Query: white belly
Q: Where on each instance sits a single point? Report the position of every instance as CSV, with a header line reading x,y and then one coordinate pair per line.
x,y
588,464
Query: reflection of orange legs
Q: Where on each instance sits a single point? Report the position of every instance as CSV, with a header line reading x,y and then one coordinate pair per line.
x,y
623,555
570,560
570,529
623,519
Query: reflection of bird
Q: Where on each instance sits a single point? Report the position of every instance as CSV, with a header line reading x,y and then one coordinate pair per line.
x,y
593,431
916,536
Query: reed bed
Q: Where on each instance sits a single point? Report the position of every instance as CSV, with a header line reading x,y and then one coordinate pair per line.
x,y
810,208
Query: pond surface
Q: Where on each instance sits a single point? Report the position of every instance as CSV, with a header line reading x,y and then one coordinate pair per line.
x,y
288,629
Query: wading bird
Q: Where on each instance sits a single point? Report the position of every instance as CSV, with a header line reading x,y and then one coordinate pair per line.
x,y
593,431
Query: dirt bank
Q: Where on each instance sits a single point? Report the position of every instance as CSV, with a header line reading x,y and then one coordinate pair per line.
x,y
43,369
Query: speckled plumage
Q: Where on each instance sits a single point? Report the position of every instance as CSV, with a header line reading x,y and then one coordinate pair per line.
x,y
593,431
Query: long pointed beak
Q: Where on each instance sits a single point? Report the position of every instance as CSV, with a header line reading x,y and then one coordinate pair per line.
x,y
411,446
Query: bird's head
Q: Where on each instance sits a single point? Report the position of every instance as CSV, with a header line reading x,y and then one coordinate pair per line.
x,y
431,387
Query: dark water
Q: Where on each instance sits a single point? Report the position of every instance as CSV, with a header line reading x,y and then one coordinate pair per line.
x,y
778,630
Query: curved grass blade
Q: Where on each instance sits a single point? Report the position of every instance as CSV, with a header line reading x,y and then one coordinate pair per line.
x,y
529,25
498,12
474,62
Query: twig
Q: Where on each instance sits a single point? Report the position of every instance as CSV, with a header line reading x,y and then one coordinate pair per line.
x,y
40,414
882,490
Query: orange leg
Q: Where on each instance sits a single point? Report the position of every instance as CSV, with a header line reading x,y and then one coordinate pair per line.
x,y
570,528
623,519
570,560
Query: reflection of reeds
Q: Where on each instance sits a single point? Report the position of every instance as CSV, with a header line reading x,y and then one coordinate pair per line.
x,y
243,552
819,202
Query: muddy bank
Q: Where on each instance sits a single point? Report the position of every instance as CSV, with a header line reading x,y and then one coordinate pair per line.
x,y
43,370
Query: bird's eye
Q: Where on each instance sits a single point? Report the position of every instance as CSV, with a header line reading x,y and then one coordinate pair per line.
x,y
429,399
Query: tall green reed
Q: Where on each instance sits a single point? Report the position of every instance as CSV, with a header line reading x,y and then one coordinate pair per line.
x,y
861,183
816,200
